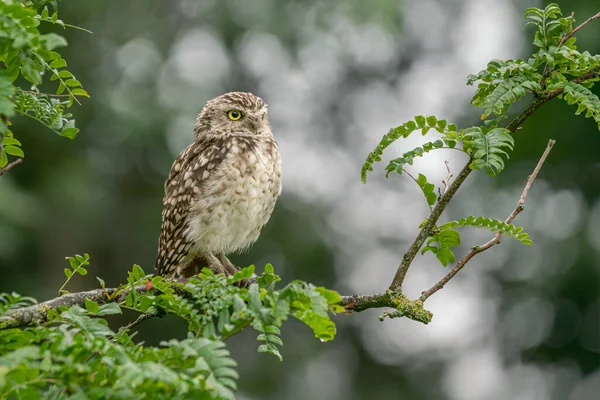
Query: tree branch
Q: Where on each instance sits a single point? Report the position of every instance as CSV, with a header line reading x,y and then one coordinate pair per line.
x,y
38,313
428,227
496,239
403,307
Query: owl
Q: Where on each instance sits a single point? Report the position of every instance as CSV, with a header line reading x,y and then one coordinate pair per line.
x,y
222,188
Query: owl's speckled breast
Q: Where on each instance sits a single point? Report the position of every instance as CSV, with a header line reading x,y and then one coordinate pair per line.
x,y
235,206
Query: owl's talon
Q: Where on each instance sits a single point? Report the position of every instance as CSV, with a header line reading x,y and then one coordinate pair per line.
x,y
229,267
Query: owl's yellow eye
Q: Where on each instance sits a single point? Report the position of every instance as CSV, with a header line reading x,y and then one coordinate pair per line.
x,y
234,115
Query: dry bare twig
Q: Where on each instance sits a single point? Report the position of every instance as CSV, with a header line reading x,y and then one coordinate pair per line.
x,y
10,165
446,181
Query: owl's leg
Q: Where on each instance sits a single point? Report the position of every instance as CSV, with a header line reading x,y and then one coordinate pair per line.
x,y
214,264
194,266
228,265
232,269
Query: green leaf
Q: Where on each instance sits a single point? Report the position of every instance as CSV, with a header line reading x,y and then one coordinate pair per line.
x,y
109,309
445,256
79,92
267,277
145,302
3,158
138,272
428,189
65,74
487,148
70,133
254,301
73,262
53,41
431,121
14,151
58,63
440,244
404,131
9,141
6,92
91,306
244,273
583,97
131,298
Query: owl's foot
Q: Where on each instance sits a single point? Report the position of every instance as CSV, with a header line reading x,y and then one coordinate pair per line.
x,y
227,265
232,269
215,265
194,266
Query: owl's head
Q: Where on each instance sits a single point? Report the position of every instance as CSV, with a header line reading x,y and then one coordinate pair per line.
x,y
231,114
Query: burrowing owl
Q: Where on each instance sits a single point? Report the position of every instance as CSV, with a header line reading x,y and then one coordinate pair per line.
x,y
222,188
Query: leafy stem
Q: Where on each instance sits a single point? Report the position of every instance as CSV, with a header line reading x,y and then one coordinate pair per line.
x,y
63,84
77,264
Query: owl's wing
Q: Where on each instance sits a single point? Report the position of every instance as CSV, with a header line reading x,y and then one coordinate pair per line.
x,y
186,181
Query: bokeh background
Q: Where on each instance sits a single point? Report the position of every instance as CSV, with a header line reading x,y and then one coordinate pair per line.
x,y
519,322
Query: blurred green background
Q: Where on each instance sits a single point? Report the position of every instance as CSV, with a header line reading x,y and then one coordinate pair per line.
x,y
520,322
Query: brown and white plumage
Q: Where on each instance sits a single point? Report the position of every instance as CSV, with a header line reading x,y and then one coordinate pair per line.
x,y
222,188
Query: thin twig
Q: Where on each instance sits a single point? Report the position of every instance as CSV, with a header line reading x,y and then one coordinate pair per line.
x,y
9,166
411,176
36,92
417,182
140,319
496,239
587,21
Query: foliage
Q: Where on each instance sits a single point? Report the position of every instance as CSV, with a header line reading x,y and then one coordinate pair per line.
x,y
575,93
445,237
79,355
28,54
493,225
424,124
440,244
486,147
556,68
